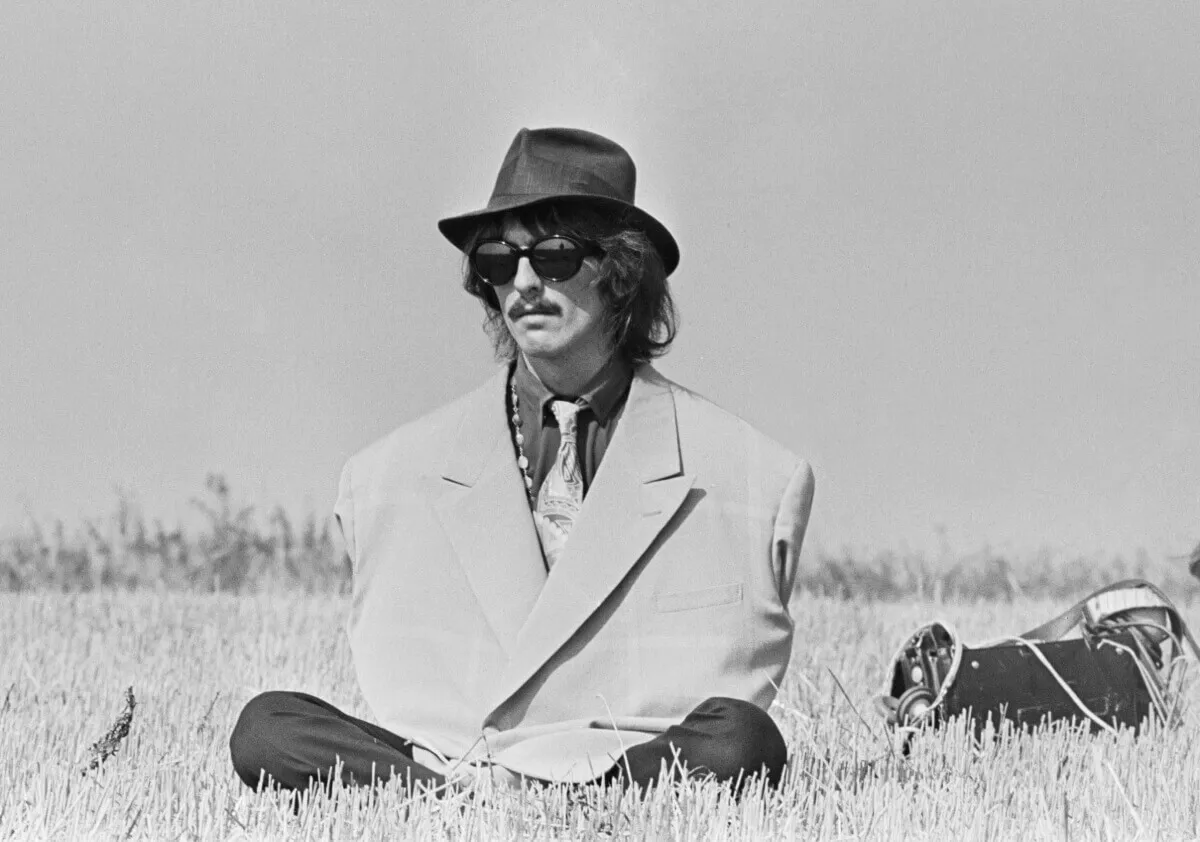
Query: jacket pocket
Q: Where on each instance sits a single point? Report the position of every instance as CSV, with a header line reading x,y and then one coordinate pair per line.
x,y
703,598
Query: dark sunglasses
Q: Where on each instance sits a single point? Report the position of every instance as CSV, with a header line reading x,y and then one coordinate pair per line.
x,y
555,258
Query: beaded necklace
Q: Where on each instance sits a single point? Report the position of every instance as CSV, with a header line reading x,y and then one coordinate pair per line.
x,y
519,441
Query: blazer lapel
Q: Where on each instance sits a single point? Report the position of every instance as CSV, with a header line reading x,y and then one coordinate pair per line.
x,y
485,513
638,488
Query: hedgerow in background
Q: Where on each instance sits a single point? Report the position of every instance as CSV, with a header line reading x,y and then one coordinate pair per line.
x,y
233,550
236,550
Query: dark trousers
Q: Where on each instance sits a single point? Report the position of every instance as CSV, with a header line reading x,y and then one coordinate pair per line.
x,y
295,740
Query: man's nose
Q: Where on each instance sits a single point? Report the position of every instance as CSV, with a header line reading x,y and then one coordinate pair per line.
x,y
526,280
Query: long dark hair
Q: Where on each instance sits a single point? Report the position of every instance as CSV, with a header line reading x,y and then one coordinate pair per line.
x,y
639,313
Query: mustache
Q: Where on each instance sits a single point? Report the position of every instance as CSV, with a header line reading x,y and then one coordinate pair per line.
x,y
541,308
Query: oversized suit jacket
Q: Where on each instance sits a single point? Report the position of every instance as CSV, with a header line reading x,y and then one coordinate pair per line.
x,y
672,588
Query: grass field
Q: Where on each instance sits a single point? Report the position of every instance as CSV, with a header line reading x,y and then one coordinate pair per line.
x,y
194,659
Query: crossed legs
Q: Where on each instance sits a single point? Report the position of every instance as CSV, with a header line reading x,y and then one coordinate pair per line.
x,y
296,741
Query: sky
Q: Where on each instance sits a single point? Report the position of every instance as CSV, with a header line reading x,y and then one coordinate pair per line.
x,y
947,252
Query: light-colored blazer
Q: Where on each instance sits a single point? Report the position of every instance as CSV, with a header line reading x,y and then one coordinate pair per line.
x,y
672,588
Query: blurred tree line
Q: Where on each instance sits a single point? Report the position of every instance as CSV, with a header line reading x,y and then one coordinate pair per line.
x,y
235,550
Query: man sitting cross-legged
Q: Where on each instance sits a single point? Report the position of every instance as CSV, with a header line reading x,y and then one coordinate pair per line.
x,y
579,571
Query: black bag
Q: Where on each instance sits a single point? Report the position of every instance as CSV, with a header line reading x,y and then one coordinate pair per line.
x,y
1112,660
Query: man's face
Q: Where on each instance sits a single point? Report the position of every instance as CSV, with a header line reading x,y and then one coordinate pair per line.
x,y
554,321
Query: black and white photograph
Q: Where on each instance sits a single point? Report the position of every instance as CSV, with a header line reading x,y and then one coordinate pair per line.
x,y
599,420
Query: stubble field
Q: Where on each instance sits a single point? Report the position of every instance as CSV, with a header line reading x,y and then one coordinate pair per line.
x,y
194,659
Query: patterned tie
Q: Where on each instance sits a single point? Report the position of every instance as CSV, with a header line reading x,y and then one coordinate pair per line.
x,y
561,495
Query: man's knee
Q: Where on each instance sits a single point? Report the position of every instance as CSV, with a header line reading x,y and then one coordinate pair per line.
x,y
745,740
255,742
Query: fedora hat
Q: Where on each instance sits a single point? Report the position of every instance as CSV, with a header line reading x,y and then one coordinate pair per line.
x,y
565,165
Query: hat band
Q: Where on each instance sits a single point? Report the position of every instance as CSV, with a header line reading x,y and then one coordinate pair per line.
x,y
538,177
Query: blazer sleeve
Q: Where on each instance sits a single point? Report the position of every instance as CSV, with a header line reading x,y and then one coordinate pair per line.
x,y
791,523
343,512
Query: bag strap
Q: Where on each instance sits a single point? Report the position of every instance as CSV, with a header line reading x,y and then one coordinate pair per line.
x,y
1064,622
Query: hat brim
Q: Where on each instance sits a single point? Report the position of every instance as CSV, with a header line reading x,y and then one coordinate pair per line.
x,y
457,229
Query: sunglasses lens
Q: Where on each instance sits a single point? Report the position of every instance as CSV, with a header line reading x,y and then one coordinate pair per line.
x,y
496,263
554,259
557,258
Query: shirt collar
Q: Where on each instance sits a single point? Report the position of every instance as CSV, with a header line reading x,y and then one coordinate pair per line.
x,y
602,394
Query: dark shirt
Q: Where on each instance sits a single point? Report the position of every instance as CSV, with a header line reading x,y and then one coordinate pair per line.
x,y
603,400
